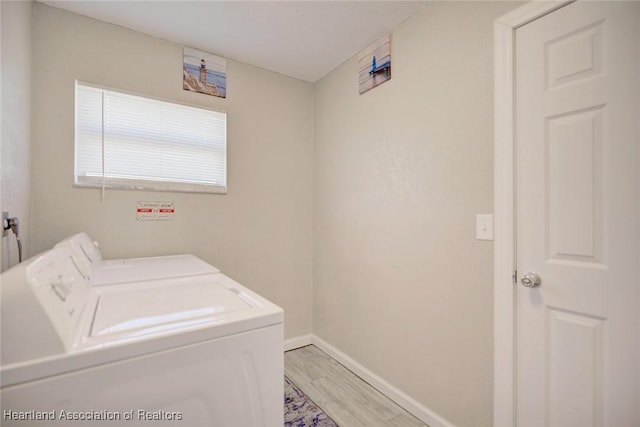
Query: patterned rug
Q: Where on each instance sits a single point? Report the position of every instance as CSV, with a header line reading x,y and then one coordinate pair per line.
x,y
300,411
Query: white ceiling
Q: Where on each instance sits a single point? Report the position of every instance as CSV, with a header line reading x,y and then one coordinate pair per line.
x,y
302,39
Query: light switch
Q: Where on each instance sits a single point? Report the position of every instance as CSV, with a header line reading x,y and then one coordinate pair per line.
x,y
484,227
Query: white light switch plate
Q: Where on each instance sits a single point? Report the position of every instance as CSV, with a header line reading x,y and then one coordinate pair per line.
x,y
484,227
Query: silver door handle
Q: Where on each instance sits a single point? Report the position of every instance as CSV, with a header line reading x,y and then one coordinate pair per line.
x,y
530,280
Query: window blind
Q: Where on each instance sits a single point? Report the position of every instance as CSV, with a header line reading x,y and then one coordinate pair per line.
x,y
129,141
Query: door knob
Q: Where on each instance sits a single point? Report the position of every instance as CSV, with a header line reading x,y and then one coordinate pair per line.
x,y
530,280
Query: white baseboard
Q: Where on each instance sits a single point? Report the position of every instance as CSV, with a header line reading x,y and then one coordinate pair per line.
x,y
297,342
420,411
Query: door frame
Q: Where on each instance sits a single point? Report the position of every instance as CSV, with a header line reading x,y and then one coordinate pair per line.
x,y
504,250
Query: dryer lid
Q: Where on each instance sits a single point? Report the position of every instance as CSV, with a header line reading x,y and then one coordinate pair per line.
x,y
150,268
149,307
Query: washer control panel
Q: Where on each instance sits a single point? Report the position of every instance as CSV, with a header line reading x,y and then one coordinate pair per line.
x,y
85,253
61,287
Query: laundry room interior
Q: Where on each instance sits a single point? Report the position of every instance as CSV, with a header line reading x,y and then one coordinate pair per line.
x,y
355,213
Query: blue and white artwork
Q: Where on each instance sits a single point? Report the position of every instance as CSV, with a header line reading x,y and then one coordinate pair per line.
x,y
204,73
374,64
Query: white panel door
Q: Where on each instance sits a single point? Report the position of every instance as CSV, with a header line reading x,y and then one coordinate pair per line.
x,y
578,217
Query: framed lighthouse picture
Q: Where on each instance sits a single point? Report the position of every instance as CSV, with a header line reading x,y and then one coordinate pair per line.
x,y
204,73
374,64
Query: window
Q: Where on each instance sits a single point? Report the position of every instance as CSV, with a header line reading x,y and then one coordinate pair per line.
x,y
133,142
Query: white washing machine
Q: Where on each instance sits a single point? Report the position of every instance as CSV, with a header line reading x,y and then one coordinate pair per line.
x,y
87,257
198,350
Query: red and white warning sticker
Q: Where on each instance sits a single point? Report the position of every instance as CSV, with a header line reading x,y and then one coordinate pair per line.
x,y
155,211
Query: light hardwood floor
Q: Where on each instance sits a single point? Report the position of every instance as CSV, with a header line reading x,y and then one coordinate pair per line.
x,y
344,396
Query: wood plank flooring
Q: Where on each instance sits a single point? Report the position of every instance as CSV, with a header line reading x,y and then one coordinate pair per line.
x,y
344,396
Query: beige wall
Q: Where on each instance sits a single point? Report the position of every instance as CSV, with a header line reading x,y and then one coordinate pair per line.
x,y
15,153
401,285
259,233
396,175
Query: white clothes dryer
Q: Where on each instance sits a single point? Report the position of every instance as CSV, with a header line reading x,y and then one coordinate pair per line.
x,y
193,351
87,257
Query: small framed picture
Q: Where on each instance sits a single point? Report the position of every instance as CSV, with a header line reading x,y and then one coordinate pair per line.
x,y
204,73
374,64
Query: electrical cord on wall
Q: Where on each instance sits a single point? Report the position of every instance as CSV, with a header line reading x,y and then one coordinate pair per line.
x,y
14,225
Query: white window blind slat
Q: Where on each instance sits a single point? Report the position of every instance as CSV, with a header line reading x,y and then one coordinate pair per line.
x,y
148,143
